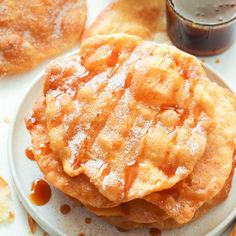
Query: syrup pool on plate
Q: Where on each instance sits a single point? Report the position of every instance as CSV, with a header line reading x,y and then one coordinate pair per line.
x,y
65,209
40,192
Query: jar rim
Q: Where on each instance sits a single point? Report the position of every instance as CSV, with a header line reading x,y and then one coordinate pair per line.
x,y
170,4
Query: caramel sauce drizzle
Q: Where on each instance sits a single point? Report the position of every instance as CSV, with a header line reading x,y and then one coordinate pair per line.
x,y
100,121
131,172
113,59
75,86
106,171
128,80
96,127
234,158
29,153
45,148
31,121
62,76
113,99
168,169
40,192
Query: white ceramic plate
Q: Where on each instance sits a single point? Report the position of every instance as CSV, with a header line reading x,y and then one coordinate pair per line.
x,y
49,217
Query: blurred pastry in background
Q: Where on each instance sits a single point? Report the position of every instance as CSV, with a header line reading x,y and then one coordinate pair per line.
x,y
31,31
143,18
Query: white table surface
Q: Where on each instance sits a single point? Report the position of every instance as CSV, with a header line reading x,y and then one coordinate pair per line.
x,y
13,88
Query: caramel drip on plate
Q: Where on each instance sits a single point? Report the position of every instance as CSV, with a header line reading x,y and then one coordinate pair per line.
x,y
65,209
88,220
154,232
29,153
40,192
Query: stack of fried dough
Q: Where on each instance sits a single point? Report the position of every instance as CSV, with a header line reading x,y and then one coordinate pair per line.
x,y
135,131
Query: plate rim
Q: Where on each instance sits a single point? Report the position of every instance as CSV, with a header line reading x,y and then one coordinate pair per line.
x,y
20,193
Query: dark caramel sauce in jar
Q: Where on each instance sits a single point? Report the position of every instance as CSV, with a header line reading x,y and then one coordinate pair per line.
x,y
202,27
40,192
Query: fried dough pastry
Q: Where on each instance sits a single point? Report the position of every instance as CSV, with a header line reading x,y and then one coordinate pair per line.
x,y
159,136
31,31
138,125
142,18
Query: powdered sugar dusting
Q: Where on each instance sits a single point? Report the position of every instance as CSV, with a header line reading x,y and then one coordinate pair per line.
x,y
93,166
109,180
57,30
75,142
181,170
193,146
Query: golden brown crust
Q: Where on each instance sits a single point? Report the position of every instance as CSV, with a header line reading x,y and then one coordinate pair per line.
x,y
31,31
